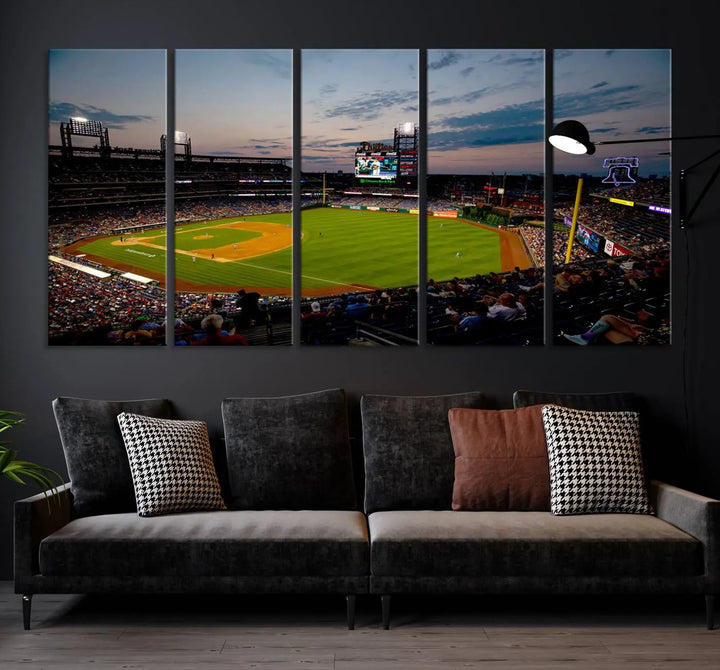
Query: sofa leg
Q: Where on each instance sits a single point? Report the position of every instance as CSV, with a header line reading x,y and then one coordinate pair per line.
x,y
350,600
385,601
710,611
26,607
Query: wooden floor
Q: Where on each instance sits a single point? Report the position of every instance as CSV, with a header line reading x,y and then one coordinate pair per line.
x,y
278,633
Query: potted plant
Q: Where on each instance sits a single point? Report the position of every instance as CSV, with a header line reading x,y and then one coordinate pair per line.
x,y
19,470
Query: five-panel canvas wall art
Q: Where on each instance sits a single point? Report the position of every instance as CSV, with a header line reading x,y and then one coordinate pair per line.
x,y
403,219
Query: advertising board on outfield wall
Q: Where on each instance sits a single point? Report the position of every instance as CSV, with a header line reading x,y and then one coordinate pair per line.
x,y
615,250
450,214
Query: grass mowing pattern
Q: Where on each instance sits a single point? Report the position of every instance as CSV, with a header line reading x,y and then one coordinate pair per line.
x,y
339,246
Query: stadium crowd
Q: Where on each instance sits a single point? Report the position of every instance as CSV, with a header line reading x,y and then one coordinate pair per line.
x,y
648,191
86,310
534,237
637,230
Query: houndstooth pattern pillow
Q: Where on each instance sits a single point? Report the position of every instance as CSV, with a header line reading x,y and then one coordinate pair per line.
x,y
595,462
171,464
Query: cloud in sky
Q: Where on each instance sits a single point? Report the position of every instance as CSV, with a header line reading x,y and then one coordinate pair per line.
x,y
446,59
275,60
371,105
513,124
514,58
474,95
654,130
600,100
62,111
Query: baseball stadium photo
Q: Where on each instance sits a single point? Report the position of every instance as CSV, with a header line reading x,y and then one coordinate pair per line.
x,y
232,222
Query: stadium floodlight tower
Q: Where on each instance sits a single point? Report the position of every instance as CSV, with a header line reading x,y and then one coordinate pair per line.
x,y
406,137
78,125
406,146
181,139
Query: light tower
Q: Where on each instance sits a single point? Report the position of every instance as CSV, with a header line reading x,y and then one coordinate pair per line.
x,y
406,145
84,128
181,139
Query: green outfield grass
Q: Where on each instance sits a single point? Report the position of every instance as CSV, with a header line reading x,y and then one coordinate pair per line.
x,y
339,247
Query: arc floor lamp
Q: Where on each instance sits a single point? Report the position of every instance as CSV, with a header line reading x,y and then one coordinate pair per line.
x,y
573,137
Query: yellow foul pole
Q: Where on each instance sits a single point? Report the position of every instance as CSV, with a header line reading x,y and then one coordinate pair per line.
x,y
574,220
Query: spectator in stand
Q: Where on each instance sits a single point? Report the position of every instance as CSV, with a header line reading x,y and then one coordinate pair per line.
x,y
138,332
357,306
530,309
475,320
212,326
313,324
315,315
248,308
506,308
647,329
564,280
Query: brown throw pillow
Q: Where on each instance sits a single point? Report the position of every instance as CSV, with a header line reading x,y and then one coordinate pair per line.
x,y
501,460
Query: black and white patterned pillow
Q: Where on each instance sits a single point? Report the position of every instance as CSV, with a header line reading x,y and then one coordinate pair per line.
x,y
171,464
595,462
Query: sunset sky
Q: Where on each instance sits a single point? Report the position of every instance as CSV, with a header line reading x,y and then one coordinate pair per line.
x,y
485,107
351,96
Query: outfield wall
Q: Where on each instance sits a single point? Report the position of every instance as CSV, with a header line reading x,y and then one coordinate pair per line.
x,y
448,214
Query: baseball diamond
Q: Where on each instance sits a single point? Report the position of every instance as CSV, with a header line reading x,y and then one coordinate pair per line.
x,y
342,250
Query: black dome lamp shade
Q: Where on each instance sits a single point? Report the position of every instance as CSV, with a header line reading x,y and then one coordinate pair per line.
x,y
572,137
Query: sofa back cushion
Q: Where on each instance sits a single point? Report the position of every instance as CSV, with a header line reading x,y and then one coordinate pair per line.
x,y
596,402
501,460
290,452
95,454
409,456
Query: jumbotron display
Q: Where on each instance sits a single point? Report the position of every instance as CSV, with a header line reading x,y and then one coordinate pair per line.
x,y
376,164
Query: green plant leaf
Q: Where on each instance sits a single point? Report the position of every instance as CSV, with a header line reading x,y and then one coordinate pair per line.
x,y
13,477
6,457
19,470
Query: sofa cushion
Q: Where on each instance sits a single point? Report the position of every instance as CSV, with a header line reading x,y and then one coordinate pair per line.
x,y
599,402
480,544
501,460
595,461
95,454
234,543
409,457
290,452
171,464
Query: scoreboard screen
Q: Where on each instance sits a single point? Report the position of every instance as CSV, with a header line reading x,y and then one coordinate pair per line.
x,y
408,163
589,238
376,164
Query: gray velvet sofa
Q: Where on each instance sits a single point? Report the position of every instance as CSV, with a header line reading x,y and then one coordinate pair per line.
x,y
419,545
293,523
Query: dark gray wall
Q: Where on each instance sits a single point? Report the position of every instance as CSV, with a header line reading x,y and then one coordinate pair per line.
x,y
687,444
